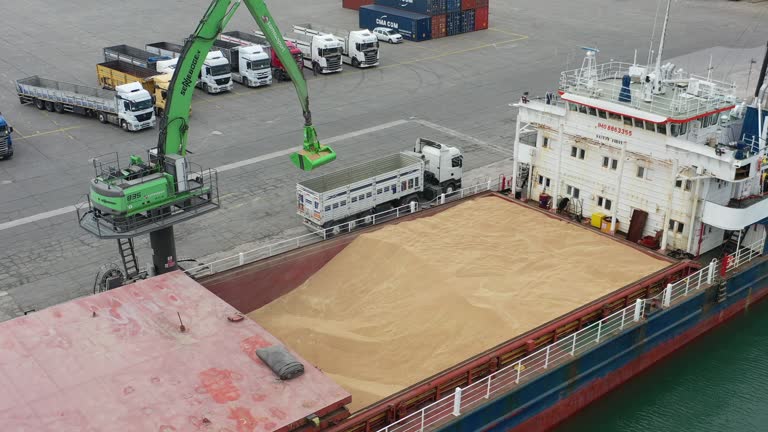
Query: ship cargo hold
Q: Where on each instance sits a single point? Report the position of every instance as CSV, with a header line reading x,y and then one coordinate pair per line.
x,y
203,347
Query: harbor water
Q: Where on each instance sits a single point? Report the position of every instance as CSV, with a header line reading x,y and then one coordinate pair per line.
x,y
717,383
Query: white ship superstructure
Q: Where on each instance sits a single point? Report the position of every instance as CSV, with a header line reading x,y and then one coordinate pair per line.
x,y
624,139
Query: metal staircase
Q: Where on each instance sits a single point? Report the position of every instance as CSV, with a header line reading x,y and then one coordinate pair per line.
x,y
128,255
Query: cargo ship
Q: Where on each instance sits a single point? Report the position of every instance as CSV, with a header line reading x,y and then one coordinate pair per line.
x,y
647,162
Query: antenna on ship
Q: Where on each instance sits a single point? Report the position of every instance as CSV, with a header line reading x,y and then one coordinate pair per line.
x,y
653,81
653,33
588,72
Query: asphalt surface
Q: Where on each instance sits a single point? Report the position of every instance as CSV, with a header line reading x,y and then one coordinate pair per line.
x,y
456,90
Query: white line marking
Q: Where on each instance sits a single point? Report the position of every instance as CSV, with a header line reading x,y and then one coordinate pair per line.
x,y
223,168
37,217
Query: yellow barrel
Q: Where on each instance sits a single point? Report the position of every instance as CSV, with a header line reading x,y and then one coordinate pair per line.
x,y
606,225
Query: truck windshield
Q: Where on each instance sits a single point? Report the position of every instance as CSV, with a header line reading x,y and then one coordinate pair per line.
x,y
141,105
328,52
220,70
258,64
368,46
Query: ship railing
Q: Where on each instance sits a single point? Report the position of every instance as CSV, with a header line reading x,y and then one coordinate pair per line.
x,y
745,254
606,84
562,351
318,235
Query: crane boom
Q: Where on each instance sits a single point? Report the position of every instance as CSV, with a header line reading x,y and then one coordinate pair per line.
x,y
175,125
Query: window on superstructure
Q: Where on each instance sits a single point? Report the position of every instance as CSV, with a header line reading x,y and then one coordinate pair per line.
x,y
639,124
604,203
592,111
613,116
574,151
650,126
573,107
628,121
572,191
705,122
641,172
678,184
688,185
583,109
582,154
602,114
661,128
675,129
614,164
541,179
545,143
606,161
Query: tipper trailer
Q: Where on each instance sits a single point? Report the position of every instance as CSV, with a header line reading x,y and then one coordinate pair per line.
x,y
360,48
257,38
423,174
116,73
131,55
128,106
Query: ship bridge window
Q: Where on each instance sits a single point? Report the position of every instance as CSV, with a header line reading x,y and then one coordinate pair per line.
x,y
661,128
602,114
592,111
650,126
583,109
573,107
613,116
639,124
628,121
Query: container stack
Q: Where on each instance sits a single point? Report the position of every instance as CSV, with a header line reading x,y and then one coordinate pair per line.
x,y
419,20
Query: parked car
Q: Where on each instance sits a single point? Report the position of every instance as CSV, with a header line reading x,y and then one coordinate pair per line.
x,y
387,34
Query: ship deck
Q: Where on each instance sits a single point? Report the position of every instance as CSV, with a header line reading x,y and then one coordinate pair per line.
x,y
119,361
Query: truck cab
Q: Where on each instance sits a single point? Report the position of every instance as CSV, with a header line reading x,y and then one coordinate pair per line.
x,y
444,164
6,142
216,74
252,67
363,48
321,53
135,109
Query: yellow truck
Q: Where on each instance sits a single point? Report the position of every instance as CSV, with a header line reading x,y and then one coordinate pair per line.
x,y
161,92
114,73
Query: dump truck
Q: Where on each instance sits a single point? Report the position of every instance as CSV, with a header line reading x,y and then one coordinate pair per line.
x,y
278,69
430,170
360,48
321,53
134,56
115,73
128,106
6,141
250,64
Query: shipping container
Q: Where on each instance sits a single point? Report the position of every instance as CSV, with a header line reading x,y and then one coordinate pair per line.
x,y
453,6
468,21
426,7
355,4
438,26
481,18
468,4
413,26
453,23
481,4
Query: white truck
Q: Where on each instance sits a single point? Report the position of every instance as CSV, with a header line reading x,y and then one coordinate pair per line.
x,y
321,53
129,105
360,48
215,75
359,191
250,65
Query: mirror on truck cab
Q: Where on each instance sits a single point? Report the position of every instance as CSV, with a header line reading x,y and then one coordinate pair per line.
x,y
10,129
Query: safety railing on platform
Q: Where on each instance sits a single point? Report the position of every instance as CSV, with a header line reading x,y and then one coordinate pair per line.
x,y
318,235
563,350
745,254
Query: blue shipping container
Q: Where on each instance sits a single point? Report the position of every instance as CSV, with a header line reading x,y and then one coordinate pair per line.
x,y
453,23
426,7
413,26
468,21
453,6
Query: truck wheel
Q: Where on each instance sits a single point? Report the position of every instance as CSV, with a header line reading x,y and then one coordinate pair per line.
x,y
102,117
158,112
449,188
124,125
49,106
355,62
316,68
205,88
58,107
40,104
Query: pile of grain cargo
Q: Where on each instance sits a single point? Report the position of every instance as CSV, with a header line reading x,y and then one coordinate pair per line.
x,y
420,20
404,302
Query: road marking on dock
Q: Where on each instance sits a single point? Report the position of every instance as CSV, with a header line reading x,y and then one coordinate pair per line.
x,y
223,168
64,129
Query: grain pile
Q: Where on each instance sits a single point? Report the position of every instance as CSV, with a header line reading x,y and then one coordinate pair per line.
x,y
410,300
